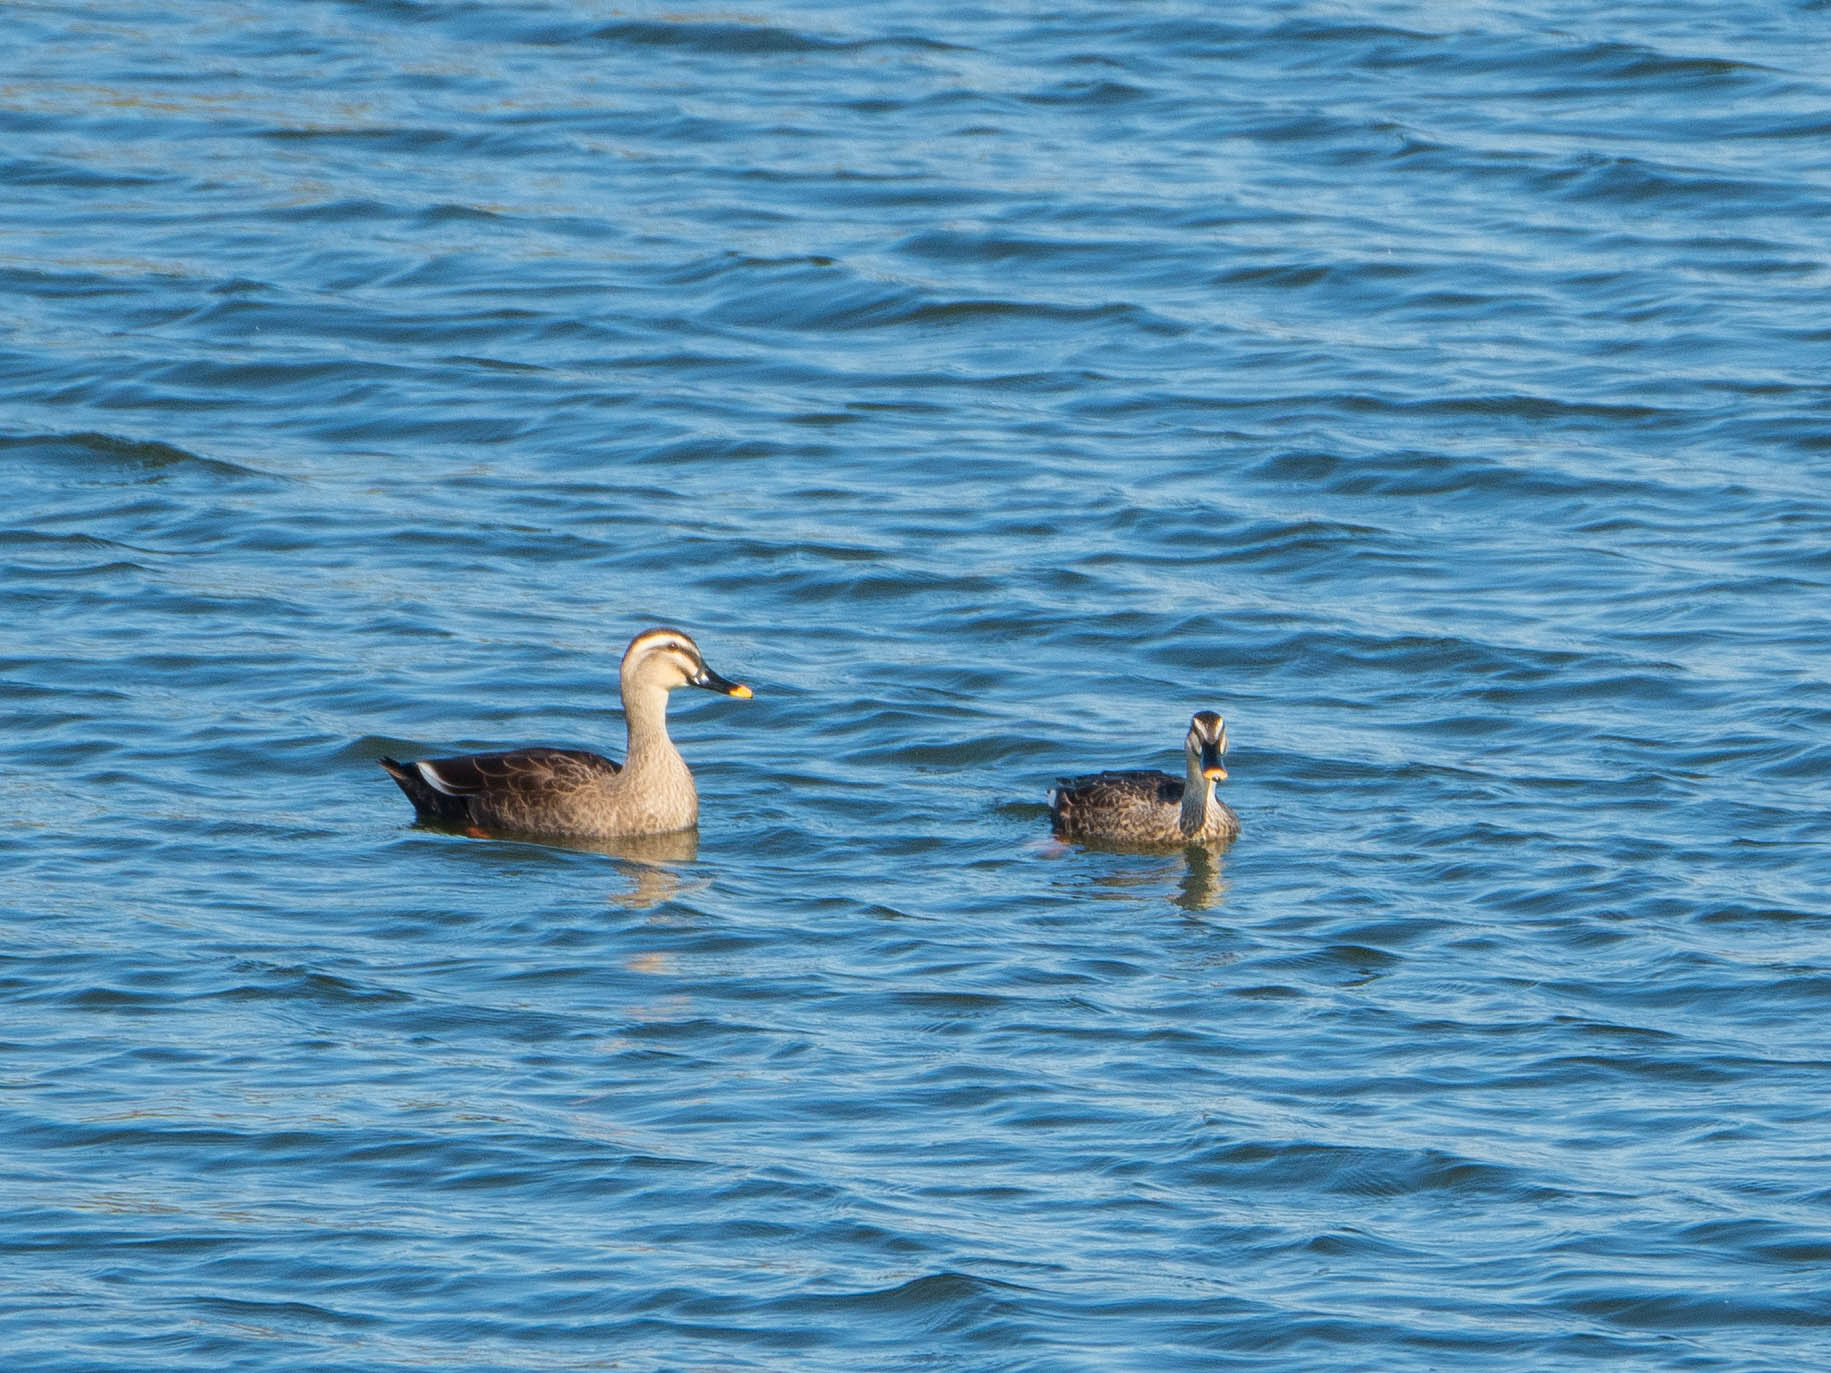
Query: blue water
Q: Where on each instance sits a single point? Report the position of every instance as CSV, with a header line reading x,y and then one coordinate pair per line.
x,y
1439,391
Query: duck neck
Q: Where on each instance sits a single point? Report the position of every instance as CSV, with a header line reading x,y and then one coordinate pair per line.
x,y
1198,797
645,712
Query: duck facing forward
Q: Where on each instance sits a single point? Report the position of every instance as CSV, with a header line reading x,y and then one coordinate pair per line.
x,y
566,793
1153,808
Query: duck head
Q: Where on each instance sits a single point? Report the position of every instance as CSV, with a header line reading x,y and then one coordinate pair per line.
x,y
668,658
1206,744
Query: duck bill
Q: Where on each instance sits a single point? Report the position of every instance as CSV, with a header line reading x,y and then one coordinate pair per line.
x,y
711,681
1212,767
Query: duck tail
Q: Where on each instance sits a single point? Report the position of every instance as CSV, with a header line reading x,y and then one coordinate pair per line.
x,y
428,803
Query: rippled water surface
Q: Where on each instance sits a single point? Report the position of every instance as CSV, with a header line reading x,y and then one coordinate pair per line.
x,y
1440,391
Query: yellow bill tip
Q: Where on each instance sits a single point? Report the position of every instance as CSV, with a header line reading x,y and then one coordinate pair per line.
x,y
1215,774
742,692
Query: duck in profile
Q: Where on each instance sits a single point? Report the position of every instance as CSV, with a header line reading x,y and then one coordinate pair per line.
x,y
1153,808
572,794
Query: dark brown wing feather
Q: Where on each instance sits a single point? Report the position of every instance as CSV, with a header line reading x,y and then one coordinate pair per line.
x,y
482,787
1099,789
1113,802
522,770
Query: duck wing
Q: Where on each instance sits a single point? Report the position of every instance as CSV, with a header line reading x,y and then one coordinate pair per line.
x,y
1113,790
486,787
1124,807
517,772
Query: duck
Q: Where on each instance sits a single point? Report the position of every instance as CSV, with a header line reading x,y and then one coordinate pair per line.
x,y
574,794
1149,808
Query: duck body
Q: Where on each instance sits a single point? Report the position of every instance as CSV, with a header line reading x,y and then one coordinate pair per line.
x,y
1146,808
574,794
563,792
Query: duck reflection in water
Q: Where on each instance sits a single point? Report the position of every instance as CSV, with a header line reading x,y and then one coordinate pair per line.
x,y
1192,877
647,860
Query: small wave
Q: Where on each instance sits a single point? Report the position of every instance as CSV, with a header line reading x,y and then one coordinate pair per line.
x,y
721,38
